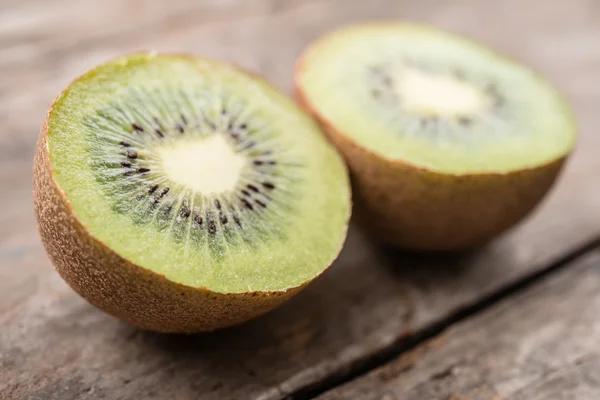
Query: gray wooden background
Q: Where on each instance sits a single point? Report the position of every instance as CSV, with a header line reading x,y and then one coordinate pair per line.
x,y
518,319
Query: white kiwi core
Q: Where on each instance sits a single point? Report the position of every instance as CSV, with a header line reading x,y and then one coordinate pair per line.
x,y
209,165
428,94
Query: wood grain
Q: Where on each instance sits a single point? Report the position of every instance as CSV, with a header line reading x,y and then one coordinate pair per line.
x,y
540,344
54,345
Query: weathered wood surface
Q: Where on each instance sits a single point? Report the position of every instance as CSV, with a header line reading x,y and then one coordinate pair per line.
x,y
541,344
54,345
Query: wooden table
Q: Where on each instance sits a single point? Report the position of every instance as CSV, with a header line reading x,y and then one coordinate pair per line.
x,y
518,319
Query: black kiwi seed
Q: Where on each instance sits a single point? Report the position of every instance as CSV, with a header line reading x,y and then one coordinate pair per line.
x,y
268,185
125,164
258,162
260,203
217,204
185,212
152,189
247,204
223,218
237,221
137,127
465,121
179,128
164,192
247,146
143,170
212,227
132,154
124,143
253,188
246,193
243,126
492,89
159,133
198,219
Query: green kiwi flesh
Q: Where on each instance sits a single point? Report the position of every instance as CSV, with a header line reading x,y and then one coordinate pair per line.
x,y
199,172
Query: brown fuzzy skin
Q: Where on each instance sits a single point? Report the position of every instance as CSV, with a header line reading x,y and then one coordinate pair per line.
x,y
418,209
126,290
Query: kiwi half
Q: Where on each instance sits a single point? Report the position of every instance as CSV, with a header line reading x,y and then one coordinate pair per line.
x,y
183,194
448,143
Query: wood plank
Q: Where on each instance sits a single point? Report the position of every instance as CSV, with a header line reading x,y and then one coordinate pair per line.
x,y
33,30
540,344
53,344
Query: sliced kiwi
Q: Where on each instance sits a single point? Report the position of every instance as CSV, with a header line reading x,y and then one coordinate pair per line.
x,y
184,194
449,142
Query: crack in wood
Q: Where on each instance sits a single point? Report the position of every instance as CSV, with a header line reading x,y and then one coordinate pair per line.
x,y
412,341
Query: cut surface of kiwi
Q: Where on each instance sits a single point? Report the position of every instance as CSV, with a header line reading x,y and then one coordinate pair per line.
x,y
196,171
435,100
448,141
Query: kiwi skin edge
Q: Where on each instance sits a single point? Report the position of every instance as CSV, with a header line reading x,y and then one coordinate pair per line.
x,y
123,289
418,209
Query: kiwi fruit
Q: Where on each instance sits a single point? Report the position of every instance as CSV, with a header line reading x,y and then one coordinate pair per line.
x,y
184,194
448,142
